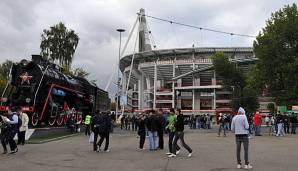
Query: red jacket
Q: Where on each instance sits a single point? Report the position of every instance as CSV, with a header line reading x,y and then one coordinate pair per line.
x,y
257,119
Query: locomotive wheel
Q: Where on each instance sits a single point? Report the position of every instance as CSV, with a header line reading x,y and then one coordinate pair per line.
x,y
51,121
34,119
60,120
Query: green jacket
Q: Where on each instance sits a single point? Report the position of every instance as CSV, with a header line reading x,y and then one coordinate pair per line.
x,y
87,120
172,119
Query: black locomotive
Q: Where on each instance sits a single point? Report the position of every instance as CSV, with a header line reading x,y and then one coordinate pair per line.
x,y
49,96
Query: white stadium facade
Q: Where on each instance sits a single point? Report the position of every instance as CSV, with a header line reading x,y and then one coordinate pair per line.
x,y
181,78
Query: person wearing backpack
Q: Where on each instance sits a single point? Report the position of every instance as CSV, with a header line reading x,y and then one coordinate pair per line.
x,y
23,127
104,130
14,121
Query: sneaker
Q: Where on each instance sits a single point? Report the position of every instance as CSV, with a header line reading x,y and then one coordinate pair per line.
x,y
14,151
108,150
189,155
177,152
141,149
247,167
172,155
168,153
239,166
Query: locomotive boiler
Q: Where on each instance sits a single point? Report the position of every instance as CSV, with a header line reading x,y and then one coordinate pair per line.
x,y
48,96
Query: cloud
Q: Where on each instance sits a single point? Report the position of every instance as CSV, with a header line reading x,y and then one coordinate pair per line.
x,y
96,21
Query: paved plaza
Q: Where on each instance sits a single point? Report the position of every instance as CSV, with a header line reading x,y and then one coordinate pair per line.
x,y
211,153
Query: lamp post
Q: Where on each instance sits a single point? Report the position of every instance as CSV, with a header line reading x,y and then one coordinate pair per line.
x,y
118,77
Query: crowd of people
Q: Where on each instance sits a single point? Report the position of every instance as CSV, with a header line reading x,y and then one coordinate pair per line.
x,y
152,124
200,122
13,123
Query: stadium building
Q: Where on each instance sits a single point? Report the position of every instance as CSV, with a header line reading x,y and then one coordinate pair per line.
x,y
182,78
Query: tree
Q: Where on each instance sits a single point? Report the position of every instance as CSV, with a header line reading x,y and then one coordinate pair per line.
x,y
113,106
271,107
4,74
79,72
276,46
235,80
59,44
232,76
5,68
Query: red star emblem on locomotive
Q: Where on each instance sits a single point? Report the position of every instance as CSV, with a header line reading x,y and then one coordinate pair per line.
x,y
25,78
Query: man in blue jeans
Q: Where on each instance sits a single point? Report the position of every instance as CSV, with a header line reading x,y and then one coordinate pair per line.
x,y
152,126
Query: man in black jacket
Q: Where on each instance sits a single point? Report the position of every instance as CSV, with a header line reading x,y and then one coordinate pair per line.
x,y
142,131
160,129
180,135
104,130
294,123
95,129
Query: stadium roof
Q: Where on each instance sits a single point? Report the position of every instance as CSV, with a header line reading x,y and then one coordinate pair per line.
x,y
153,55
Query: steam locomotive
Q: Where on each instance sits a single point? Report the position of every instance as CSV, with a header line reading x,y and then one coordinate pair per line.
x,y
48,96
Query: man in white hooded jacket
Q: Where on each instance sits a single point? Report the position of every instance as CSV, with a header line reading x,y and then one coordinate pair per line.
x,y
23,128
240,127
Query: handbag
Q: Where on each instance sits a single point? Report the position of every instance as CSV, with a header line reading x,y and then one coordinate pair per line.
x,y
91,138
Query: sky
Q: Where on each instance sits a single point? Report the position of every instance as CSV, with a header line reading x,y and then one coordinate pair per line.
x,y
96,21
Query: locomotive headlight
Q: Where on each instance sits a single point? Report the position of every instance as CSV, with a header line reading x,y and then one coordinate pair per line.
x,y
27,100
24,62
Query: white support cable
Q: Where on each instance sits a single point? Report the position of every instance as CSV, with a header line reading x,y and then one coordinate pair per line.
x,y
129,36
123,50
150,34
111,78
201,28
131,65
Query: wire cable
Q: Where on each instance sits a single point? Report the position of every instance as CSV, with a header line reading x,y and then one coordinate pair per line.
x,y
200,28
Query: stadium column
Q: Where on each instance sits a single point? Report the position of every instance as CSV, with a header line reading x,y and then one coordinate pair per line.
x,y
214,90
154,84
173,84
141,91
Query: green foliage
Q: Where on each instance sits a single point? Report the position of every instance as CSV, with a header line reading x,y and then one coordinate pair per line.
x,y
5,68
232,76
113,106
4,73
234,80
271,107
79,72
277,49
59,44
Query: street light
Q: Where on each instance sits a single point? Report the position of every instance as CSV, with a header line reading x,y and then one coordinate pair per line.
x,y
118,78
